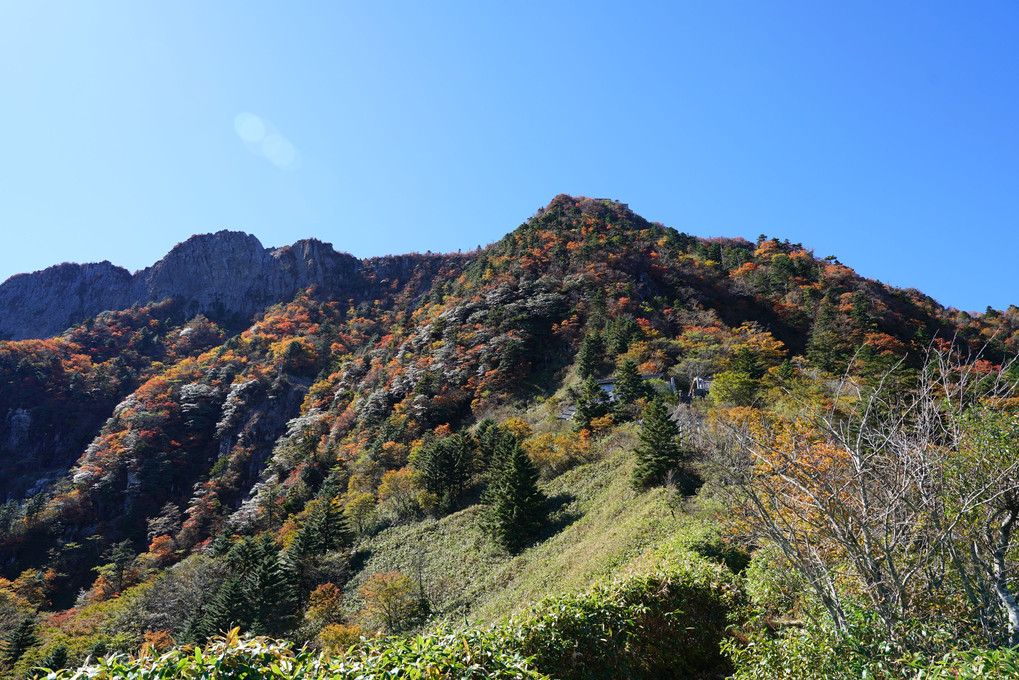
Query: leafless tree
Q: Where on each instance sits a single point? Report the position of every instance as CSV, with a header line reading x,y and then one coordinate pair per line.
x,y
905,501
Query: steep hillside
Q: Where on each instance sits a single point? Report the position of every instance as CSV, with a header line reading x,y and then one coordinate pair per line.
x,y
239,404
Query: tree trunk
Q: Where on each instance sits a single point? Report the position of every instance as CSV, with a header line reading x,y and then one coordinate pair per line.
x,y
1005,596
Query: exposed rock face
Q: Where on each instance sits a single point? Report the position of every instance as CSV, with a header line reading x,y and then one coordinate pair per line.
x,y
227,272
44,303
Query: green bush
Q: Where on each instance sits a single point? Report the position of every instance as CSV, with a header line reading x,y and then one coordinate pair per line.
x,y
668,624
816,650
978,664
466,656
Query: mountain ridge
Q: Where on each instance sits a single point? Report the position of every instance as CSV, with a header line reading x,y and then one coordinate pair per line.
x,y
159,434
227,272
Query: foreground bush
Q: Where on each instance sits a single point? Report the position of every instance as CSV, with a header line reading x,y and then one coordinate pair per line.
x,y
668,624
815,650
467,656
979,664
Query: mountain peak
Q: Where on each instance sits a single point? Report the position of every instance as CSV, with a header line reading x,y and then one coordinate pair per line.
x,y
223,272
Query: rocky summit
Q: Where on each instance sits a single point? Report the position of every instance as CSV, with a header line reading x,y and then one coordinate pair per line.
x,y
228,272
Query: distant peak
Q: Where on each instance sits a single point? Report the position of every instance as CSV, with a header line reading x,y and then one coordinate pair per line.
x,y
223,236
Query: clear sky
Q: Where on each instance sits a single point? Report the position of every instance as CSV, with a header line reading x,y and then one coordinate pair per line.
x,y
885,133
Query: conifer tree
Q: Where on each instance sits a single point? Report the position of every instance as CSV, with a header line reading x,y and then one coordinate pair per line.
x,y
621,331
516,505
262,594
591,404
224,612
487,434
747,361
55,659
505,445
827,348
630,385
590,355
786,370
18,641
325,529
445,469
659,450
270,586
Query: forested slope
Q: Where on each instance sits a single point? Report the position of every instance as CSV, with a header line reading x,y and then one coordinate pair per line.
x,y
396,430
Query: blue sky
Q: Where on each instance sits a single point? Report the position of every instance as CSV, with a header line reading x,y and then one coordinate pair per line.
x,y
885,133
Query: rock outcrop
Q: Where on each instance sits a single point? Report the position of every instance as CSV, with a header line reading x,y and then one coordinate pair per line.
x,y
227,272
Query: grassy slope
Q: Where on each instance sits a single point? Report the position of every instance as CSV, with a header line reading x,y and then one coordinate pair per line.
x,y
600,525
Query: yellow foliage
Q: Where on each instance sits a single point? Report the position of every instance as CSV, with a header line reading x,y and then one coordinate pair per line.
x,y
390,600
337,638
603,425
555,454
358,506
770,351
520,429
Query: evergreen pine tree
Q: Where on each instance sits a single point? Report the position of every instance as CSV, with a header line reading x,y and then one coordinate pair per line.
x,y
55,659
326,527
96,650
659,450
590,355
516,506
262,594
592,403
786,370
630,386
445,469
505,445
18,641
224,612
746,361
621,331
270,586
827,348
487,434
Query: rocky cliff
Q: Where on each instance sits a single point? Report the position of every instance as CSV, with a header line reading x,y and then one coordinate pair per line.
x,y
227,272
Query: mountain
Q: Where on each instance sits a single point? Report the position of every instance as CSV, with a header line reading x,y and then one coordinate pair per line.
x,y
225,409
226,273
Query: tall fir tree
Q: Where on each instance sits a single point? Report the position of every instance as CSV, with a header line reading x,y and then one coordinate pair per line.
x,y
445,467
487,435
516,507
262,594
786,371
827,347
746,361
270,584
592,403
622,330
630,386
659,450
55,659
18,641
225,611
326,527
591,354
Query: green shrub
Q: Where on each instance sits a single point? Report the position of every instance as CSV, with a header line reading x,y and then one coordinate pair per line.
x,y
662,625
773,586
816,650
978,664
467,656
